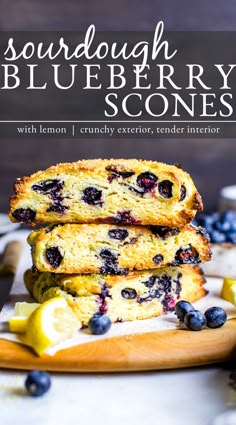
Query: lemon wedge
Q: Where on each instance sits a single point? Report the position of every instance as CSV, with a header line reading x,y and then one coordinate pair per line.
x,y
18,322
228,291
52,322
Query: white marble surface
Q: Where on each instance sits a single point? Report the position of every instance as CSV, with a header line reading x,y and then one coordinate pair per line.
x,y
190,396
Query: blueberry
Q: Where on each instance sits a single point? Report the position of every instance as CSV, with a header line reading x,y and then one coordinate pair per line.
x,y
92,196
165,188
158,258
215,317
164,231
188,255
195,320
182,193
57,207
37,383
182,308
99,324
228,216
146,180
222,226
129,293
217,237
25,215
231,237
48,186
119,234
122,217
110,264
54,256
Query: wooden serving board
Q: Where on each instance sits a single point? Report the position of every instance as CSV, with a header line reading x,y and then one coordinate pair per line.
x,y
149,351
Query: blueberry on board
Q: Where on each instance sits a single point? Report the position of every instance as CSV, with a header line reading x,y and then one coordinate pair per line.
x,y
228,216
195,320
99,324
182,308
37,383
222,226
217,237
215,317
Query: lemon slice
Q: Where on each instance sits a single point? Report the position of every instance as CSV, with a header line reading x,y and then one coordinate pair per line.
x,y
18,322
24,308
51,323
228,291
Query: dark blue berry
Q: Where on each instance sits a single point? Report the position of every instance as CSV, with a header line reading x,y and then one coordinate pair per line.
x,y
231,237
119,234
158,258
215,317
146,180
92,196
222,226
217,237
128,293
25,215
164,231
99,324
37,383
54,256
48,186
195,320
228,216
182,308
182,193
188,255
165,188
122,217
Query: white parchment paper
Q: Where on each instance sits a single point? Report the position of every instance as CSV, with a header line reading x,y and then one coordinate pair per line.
x,y
19,294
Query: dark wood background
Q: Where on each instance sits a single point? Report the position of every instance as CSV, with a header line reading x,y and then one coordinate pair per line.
x,y
212,163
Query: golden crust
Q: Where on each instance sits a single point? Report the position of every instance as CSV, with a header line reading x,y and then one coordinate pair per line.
x,y
120,193
91,248
139,295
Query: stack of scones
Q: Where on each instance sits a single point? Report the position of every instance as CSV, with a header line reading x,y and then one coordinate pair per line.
x,y
118,239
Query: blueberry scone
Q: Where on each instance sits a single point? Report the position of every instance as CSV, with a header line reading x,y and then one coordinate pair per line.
x,y
139,295
117,191
110,249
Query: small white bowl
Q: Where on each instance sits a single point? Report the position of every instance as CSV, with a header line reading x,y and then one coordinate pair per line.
x,y
227,198
6,225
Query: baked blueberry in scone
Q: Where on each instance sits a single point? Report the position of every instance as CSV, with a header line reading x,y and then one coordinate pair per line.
x,y
138,295
116,191
110,249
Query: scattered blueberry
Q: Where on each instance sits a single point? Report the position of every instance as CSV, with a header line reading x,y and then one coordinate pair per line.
x,y
110,264
37,383
215,317
195,320
119,234
146,180
182,308
57,207
164,231
92,196
128,293
54,256
99,324
165,188
25,215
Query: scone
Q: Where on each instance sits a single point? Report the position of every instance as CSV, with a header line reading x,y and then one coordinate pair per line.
x,y
139,295
117,191
110,249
